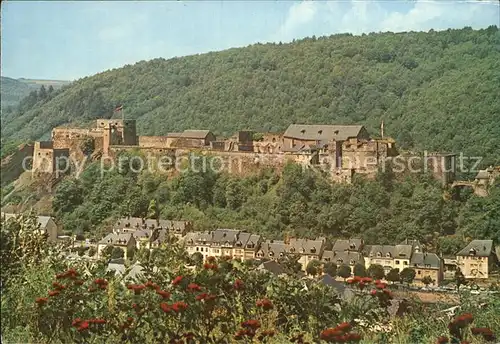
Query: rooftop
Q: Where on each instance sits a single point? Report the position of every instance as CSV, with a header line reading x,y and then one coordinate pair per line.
x,y
478,248
322,132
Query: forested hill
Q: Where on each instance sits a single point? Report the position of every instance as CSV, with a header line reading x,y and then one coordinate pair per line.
x,y
13,90
434,91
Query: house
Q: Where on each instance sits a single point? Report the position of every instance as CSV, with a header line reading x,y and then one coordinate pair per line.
x,y
329,138
349,258
308,249
476,259
46,225
128,225
272,250
193,139
450,267
427,264
223,242
389,256
125,241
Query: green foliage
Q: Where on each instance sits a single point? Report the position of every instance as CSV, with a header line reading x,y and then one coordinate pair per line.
x,y
330,268
359,270
427,280
407,275
393,275
344,271
460,279
409,79
117,252
376,271
313,267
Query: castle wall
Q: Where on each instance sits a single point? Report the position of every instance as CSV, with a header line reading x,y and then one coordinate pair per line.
x,y
154,141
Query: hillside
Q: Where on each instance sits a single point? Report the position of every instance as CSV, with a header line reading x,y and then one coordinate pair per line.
x,y
13,90
434,91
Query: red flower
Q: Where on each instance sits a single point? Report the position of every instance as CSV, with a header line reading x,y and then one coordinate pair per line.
x,y
343,327
165,307
251,324
41,300
380,285
351,281
78,282
442,340
136,288
206,297
71,273
208,266
357,279
366,280
151,285
361,285
76,322
238,284
211,259
102,283
193,287
266,304
373,292
83,326
54,292
177,280
330,334
58,285
163,294
97,321
179,306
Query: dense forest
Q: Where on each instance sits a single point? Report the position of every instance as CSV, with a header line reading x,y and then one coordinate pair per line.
x,y
434,90
297,202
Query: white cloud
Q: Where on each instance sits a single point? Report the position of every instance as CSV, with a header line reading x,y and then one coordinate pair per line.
x,y
299,14
366,16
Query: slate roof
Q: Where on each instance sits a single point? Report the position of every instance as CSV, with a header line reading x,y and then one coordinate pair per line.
x,y
128,222
306,246
272,266
116,239
43,221
390,251
322,132
479,248
425,260
194,134
343,257
345,245
273,248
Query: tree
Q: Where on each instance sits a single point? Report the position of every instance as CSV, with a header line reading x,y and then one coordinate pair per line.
x,y
330,268
106,252
376,271
197,258
42,94
427,280
313,268
359,270
344,271
460,279
393,275
117,253
92,251
407,275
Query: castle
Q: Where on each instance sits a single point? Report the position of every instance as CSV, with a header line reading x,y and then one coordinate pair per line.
x,y
341,149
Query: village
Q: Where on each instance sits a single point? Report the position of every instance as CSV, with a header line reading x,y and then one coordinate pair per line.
x,y
476,261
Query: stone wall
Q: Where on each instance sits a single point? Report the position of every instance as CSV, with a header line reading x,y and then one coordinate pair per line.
x,y
154,141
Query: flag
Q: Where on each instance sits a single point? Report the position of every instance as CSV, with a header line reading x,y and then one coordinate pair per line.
x,y
119,108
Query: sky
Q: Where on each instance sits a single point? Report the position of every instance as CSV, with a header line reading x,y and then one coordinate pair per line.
x,y
67,40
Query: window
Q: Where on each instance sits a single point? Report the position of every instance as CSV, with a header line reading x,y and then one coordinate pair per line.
x,y
379,254
419,272
397,262
405,263
196,249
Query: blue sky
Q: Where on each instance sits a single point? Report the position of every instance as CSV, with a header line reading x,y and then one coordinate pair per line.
x,y
72,39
